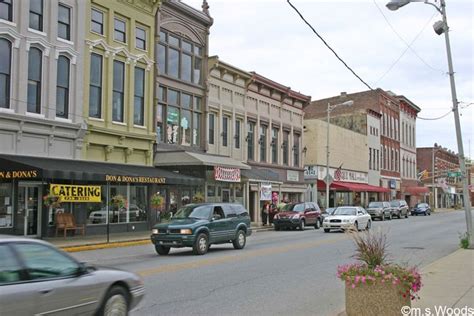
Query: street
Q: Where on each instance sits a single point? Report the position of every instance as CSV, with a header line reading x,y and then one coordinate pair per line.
x,y
278,273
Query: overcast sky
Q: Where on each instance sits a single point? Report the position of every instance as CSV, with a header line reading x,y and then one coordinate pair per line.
x,y
267,36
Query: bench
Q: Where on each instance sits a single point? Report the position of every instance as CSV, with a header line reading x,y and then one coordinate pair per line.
x,y
65,222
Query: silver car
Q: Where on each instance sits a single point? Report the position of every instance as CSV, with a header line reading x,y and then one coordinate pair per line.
x,y
38,279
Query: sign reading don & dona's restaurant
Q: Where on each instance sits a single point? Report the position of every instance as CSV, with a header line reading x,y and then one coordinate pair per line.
x,y
135,179
76,193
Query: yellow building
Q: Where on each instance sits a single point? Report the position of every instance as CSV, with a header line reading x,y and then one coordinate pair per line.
x,y
118,81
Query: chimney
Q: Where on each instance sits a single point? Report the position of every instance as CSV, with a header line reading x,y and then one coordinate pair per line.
x,y
343,94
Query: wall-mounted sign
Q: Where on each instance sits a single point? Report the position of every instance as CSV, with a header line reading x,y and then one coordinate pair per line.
x,y
310,172
19,174
132,179
392,183
292,175
266,192
76,193
343,175
226,174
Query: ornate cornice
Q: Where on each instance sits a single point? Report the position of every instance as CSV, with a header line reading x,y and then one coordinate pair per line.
x,y
148,6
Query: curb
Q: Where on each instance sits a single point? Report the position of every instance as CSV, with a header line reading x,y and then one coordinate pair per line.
x,y
128,243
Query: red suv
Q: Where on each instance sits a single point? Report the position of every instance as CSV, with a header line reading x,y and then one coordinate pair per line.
x,y
298,215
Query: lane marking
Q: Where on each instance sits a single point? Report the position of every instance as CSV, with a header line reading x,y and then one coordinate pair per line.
x,y
240,257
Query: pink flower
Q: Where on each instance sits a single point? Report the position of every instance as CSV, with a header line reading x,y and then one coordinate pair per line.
x,y
353,285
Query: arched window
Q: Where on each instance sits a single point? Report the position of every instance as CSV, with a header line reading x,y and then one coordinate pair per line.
x,y
5,66
34,80
62,88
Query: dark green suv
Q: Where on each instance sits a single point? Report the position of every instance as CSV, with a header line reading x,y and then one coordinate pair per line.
x,y
200,225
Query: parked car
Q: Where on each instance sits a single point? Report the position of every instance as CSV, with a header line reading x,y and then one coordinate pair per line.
x,y
298,215
380,210
201,225
399,208
326,213
421,208
347,217
38,279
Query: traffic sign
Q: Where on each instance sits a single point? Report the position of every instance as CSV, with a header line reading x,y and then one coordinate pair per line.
x,y
328,179
454,174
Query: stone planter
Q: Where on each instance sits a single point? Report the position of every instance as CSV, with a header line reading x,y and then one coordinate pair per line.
x,y
375,299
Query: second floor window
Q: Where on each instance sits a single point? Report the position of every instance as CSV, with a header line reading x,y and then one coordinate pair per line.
x,y
274,145
140,38
62,88
120,30
95,86
36,15
285,147
34,80
211,128
139,103
250,140
263,143
225,130
296,150
237,133
180,58
117,96
5,66
64,22
97,21
6,10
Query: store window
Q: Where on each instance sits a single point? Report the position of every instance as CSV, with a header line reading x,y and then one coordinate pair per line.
x,y
6,205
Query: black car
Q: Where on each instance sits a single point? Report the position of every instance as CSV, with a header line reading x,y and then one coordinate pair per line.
x,y
399,208
200,225
421,208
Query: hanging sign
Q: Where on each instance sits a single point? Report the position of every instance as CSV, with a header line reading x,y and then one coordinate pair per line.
x,y
266,192
226,174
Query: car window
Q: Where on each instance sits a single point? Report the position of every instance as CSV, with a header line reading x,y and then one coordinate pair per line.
x,y
9,267
218,211
228,211
193,211
240,210
316,207
44,262
298,208
394,203
345,211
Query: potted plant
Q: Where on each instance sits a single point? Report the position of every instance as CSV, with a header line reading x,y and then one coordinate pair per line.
x,y
118,201
156,200
375,286
198,197
50,200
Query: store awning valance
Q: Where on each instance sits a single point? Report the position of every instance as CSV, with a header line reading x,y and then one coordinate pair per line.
x,y
187,158
352,186
261,174
417,190
29,167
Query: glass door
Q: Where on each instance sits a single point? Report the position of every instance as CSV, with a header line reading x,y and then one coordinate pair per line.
x,y
28,210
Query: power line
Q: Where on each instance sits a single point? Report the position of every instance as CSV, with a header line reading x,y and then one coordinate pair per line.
x,y
434,118
327,45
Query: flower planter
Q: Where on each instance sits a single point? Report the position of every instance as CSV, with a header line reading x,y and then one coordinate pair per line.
x,y
375,299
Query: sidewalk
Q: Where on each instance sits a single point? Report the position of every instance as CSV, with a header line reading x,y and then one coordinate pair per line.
x,y
94,242
448,281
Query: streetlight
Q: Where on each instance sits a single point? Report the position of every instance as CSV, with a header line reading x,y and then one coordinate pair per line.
x,y
441,27
328,179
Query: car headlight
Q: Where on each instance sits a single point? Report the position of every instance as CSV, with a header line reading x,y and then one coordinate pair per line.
x,y
186,231
326,219
154,231
346,220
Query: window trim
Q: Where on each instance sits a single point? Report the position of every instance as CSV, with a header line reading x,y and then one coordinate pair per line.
x,y
116,18
145,48
39,93
9,75
121,92
99,87
10,11
93,21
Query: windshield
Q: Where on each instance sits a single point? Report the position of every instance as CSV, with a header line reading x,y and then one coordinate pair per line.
x,y
376,204
330,210
193,211
421,205
394,203
345,211
294,208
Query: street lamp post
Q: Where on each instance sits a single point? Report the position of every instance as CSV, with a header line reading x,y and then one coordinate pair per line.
x,y
329,110
442,27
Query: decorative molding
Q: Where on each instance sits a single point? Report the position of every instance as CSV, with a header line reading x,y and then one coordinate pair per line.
x,y
68,51
12,35
37,41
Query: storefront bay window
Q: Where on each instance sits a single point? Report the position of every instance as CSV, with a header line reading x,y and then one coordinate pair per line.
x,y
183,117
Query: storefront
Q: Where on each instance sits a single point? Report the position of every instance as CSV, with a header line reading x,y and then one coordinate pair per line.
x,y
102,197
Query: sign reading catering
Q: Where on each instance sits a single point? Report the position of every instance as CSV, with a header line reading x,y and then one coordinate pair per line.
x,y
19,174
76,193
226,174
132,179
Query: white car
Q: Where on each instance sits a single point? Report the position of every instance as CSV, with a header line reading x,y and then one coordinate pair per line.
x,y
347,217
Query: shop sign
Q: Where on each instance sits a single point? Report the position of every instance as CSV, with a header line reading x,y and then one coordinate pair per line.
x,y
343,175
132,179
266,192
76,193
393,184
226,174
310,172
292,175
18,174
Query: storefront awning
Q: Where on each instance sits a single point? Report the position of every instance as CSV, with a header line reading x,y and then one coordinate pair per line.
x,y
30,168
417,190
351,186
187,158
261,174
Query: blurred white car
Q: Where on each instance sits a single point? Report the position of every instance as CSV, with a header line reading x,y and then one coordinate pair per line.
x,y
347,217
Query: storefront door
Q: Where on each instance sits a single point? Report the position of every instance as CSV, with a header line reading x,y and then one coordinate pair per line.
x,y
225,195
29,203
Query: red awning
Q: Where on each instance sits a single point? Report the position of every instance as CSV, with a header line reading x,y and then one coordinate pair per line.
x,y
351,186
417,190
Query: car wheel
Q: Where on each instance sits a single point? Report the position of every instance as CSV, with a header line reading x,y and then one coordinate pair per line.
x,y
277,228
239,242
406,215
429,213
115,302
162,250
356,226
424,214
201,245
390,216
369,224
317,224
302,225
326,230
